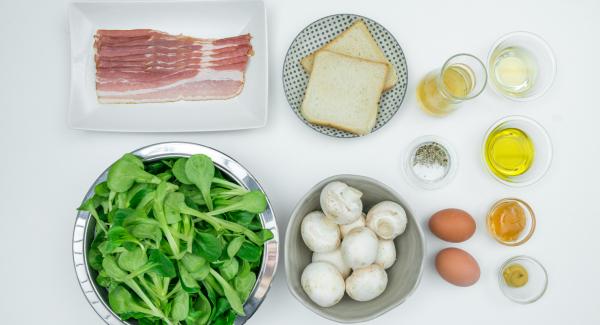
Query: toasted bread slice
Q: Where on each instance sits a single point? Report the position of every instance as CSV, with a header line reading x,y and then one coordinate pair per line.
x,y
356,41
343,92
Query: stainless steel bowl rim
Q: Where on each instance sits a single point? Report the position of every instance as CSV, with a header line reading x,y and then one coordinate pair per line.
x,y
404,205
178,149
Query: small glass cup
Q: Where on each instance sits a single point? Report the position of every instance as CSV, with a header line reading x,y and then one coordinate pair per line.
x,y
521,66
462,77
445,176
529,222
536,285
541,143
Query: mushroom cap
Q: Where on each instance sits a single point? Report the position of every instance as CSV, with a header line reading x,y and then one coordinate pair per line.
x,y
386,253
359,248
319,233
323,284
366,283
360,222
387,219
334,258
341,202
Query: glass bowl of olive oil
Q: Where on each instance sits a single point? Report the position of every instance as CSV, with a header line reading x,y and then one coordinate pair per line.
x,y
521,66
517,151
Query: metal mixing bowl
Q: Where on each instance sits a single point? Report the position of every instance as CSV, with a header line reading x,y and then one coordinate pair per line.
x,y
83,232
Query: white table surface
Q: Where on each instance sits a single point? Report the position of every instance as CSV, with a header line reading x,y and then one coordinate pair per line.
x,y
46,167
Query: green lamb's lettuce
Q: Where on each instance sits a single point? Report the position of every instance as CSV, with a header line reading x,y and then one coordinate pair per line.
x,y
175,241
200,170
127,171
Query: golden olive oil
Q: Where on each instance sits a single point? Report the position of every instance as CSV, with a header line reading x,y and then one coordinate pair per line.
x,y
509,152
437,96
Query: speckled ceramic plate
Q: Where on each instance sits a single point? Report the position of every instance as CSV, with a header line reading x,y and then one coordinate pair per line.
x,y
318,34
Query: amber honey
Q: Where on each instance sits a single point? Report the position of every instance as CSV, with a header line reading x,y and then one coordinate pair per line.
x,y
511,221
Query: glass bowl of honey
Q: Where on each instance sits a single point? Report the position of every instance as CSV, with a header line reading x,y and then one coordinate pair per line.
x,y
511,221
517,151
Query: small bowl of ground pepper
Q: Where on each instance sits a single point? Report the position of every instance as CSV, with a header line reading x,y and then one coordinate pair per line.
x,y
431,162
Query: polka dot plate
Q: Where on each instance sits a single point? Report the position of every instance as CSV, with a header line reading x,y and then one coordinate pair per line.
x,y
319,33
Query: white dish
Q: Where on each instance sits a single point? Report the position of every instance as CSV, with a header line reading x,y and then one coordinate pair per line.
x,y
207,19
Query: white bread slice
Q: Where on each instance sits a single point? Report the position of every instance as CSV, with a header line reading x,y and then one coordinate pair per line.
x,y
343,92
356,41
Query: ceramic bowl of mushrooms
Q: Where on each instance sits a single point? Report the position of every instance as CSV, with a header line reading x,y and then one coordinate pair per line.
x,y
353,249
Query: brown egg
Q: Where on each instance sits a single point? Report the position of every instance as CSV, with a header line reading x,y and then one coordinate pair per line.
x,y
457,267
453,225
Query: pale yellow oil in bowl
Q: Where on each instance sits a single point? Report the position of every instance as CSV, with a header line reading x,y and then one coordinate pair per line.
x,y
513,71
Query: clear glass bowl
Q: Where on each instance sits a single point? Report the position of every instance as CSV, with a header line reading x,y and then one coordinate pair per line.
x,y
538,55
529,222
421,182
542,146
536,285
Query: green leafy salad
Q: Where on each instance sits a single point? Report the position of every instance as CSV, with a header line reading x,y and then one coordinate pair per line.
x,y
175,241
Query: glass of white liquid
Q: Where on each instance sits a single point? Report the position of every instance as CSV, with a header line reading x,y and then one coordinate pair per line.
x,y
521,66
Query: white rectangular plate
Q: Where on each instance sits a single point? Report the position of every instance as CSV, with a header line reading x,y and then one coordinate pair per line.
x,y
207,19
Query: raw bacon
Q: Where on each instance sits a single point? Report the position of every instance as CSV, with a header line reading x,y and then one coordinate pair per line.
x,y
147,66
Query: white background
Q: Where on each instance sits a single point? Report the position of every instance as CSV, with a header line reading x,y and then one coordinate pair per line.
x,y
46,167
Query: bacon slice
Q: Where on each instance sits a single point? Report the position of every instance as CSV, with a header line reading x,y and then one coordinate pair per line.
x,y
195,90
136,66
145,65
127,81
157,57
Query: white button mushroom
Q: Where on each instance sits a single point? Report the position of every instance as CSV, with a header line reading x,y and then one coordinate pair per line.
x,y
319,233
360,222
334,258
386,253
323,284
341,202
387,219
367,283
359,248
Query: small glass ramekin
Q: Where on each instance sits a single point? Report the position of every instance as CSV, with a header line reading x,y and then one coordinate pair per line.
x,y
438,183
541,143
541,53
529,222
536,285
